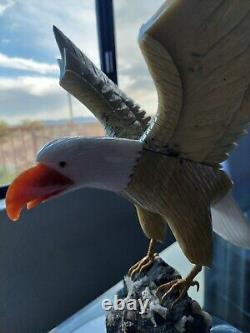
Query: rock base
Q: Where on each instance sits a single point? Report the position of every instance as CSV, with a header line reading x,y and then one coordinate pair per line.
x,y
185,317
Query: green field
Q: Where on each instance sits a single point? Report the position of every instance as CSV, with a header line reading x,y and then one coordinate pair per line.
x,y
5,176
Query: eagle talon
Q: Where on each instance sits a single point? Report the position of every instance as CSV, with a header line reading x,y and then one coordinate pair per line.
x,y
165,286
182,285
141,265
145,262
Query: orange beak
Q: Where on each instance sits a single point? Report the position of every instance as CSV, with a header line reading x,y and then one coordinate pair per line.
x,y
32,187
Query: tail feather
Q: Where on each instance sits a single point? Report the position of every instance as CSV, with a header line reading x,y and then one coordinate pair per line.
x,y
230,223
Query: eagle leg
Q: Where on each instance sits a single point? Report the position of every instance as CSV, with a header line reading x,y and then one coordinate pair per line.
x,y
180,285
145,262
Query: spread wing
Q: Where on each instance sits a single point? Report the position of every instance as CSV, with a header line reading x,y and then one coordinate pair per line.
x,y
199,56
119,114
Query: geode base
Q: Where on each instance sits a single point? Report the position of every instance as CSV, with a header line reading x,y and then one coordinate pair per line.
x,y
185,317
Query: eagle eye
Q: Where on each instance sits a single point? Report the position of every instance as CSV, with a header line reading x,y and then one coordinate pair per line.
x,y
62,164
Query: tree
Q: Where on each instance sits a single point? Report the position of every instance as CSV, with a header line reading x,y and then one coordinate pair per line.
x,y
32,124
4,128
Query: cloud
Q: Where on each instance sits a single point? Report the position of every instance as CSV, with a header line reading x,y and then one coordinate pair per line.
x,y
5,41
27,64
134,77
5,6
27,97
77,19
33,85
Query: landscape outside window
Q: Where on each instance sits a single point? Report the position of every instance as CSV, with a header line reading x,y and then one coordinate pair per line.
x,y
33,107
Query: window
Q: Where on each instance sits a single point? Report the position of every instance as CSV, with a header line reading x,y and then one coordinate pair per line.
x,y
133,75
33,107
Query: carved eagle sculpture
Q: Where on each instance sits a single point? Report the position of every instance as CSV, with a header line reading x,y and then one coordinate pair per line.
x,y
198,55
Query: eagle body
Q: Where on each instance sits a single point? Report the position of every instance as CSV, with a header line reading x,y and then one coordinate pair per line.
x,y
177,192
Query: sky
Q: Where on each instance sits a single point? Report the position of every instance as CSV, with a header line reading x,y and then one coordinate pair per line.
x,y
29,73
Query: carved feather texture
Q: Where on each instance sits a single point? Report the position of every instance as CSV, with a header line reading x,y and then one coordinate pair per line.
x,y
119,114
169,89
180,192
209,44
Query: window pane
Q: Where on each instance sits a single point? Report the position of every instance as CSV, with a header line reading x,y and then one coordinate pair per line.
x,y
133,75
33,107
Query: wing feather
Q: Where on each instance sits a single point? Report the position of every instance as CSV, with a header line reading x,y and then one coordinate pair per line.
x,y
119,114
230,223
208,43
169,88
